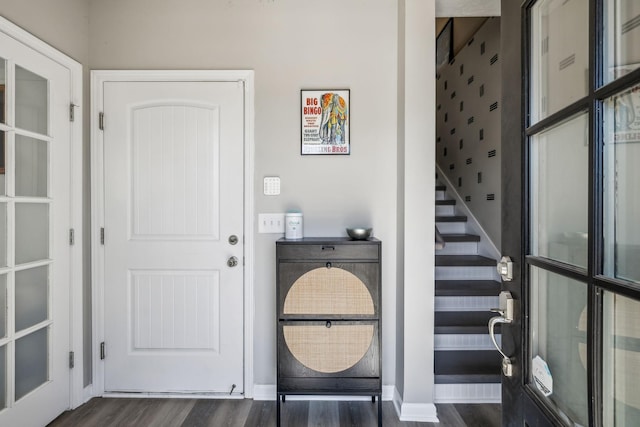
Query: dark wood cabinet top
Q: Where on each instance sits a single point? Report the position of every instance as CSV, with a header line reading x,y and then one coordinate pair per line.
x,y
327,240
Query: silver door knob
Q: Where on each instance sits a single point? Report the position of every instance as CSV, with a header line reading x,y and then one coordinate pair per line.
x,y
232,262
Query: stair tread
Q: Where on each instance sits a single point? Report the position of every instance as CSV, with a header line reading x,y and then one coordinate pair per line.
x,y
451,218
464,261
462,322
453,238
452,288
449,202
467,362
463,318
441,188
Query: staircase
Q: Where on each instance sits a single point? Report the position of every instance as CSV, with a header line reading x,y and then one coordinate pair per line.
x,y
467,366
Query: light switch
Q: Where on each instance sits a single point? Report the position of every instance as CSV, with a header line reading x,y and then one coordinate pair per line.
x,y
271,185
271,223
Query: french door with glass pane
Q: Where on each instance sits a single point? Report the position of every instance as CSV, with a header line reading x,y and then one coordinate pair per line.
x,y
578,349
34,242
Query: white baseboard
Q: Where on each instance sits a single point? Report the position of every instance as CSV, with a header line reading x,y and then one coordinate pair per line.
x,y
269,392
87,393
416,412
148,395
264,392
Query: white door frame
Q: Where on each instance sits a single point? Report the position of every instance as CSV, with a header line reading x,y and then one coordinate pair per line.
x,y
76,288
98,78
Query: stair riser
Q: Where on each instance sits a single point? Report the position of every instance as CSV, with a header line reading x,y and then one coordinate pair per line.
x,y
441,195
451,227
465,342
466,273
467,393
466,303
459,248
445,210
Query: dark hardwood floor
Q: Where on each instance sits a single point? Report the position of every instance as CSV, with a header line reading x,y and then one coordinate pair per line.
x,y
106,412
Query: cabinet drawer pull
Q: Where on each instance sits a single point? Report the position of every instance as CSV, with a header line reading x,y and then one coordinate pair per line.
x,y
328,248
328,325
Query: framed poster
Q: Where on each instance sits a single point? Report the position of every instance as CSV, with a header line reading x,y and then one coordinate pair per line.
x,y
325,127
444,45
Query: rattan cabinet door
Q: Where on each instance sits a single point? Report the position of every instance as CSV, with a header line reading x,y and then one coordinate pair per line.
x,y
325,290
329,349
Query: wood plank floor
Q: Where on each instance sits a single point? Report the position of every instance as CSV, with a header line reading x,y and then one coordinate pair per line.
x,y
105,412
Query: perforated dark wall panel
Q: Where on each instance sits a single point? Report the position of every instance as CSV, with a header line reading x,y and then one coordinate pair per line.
x,y
468,125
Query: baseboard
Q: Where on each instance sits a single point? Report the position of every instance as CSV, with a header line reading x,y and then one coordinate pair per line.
x,y
264,392
416,412
87,393
147,395
268,392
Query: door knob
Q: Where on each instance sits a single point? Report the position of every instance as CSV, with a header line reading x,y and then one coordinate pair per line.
x,y
232,262
505,317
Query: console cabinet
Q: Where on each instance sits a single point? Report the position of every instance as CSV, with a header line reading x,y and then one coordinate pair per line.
x,y
328,318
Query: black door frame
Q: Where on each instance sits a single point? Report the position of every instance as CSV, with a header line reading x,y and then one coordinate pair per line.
x,y
520,402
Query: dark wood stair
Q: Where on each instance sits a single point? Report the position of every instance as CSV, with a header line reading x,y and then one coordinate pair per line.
x,y
464,261
462,322
463,356
460,367
463,288
460,238
451,218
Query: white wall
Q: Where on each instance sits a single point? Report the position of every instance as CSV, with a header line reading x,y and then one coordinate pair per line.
x,y
291,45
418,121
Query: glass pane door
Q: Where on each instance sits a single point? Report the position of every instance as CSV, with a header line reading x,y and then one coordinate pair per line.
x,y
582,281
25,233
559,146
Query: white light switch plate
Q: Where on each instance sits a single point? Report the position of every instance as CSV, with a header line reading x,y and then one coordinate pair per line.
x,y
271,223
271,185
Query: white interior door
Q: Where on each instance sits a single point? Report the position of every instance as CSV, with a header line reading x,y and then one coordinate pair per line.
x,y
173,174
34,236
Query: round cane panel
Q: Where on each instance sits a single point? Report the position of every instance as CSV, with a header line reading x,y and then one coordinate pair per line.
x,y
328,291
328,350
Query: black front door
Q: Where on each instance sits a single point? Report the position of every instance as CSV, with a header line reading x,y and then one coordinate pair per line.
x,y
571,211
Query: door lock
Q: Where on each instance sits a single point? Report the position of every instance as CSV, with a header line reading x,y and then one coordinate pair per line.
x,y
505,268
505,316
232,262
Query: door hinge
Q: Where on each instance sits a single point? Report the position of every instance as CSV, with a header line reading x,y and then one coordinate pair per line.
x,y
102,352
101,121
72,236
72,112
102,236
72,360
